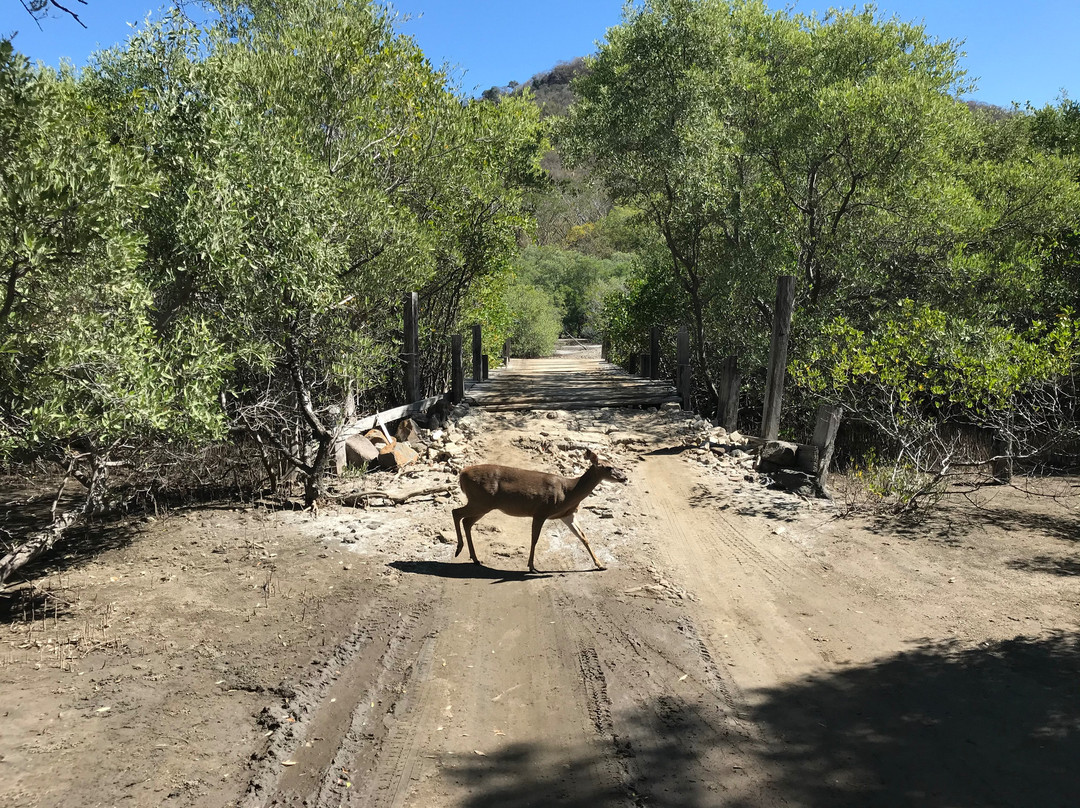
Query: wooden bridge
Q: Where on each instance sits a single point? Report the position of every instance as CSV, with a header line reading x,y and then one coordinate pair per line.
x,y
574,378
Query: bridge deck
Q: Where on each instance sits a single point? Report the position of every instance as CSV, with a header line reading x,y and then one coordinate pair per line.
x,y
575,378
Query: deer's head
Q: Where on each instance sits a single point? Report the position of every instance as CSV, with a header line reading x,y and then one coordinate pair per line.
x,y
607,470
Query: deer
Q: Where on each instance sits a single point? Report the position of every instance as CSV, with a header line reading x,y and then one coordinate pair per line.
x,y
523,492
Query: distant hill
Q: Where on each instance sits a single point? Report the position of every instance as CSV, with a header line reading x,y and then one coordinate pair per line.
x,y
994,112
550,89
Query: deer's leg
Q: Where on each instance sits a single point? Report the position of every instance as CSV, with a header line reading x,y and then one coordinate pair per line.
x,y
538,525
568,520
464,517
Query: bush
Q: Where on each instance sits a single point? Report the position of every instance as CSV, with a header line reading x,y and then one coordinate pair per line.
x,y
536,322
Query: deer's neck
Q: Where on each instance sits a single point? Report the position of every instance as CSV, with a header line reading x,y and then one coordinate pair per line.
x,y
581,487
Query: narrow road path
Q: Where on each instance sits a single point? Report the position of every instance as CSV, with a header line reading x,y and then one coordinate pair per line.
x,y
730,655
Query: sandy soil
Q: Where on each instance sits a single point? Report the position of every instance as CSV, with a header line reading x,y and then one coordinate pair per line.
x,y
745,647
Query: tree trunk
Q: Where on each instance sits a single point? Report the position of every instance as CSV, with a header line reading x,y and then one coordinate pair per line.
x,y
37,544
40,542
315,472
315,478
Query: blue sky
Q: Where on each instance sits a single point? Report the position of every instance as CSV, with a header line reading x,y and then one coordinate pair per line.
x,y
1026,50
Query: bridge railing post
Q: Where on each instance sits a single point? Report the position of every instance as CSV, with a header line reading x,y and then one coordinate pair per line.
x,y
457,371
477,354
683,377
824,440
727,405
654,352
774,381
411,352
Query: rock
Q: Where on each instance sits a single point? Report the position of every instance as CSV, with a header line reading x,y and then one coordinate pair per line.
x,y
377,437
626,438
446,537
794,482
438,413
778,454
360,450
736,439
396,455
407,431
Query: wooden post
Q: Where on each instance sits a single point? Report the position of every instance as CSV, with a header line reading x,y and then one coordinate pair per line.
x,y
477,361
654,352
457,373
484,367
643,366
774,381
605,348
828,422
506,354
411,353
727,406
683,376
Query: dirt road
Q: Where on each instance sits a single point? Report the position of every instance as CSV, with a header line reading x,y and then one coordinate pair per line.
x,y
743,648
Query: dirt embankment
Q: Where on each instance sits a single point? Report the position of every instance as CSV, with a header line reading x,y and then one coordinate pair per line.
x,y
745,647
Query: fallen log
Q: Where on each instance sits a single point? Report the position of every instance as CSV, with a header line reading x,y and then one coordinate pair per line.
x,y
38,543
360,498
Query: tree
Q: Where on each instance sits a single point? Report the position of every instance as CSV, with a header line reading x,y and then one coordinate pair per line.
x,y
832,148
657,121
315,166
38,9
86,382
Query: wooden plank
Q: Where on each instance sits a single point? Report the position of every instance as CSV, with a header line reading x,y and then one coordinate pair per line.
x,y
579,404
370,421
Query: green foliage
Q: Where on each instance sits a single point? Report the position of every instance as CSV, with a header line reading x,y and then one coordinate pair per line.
x,y
917,355
1057,129
576,284
834,149
230,214
535,322
81,363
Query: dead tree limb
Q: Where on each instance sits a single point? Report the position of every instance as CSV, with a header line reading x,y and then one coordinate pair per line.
x,y
360,499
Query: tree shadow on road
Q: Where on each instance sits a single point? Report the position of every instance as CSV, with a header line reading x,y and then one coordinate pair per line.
x,y
1064,566
651,758
943,725
530,775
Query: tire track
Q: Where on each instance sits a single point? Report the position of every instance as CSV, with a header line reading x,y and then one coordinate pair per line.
x,y
331,722
398,760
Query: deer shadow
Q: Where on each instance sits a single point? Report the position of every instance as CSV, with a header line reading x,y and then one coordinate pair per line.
x,y
475,572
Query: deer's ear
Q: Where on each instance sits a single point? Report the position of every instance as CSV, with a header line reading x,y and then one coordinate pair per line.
x,y
594,458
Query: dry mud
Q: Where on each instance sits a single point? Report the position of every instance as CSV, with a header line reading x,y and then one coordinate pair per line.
x,y
745,647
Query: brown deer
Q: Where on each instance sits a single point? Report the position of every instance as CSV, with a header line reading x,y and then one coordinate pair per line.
x,y
521,492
